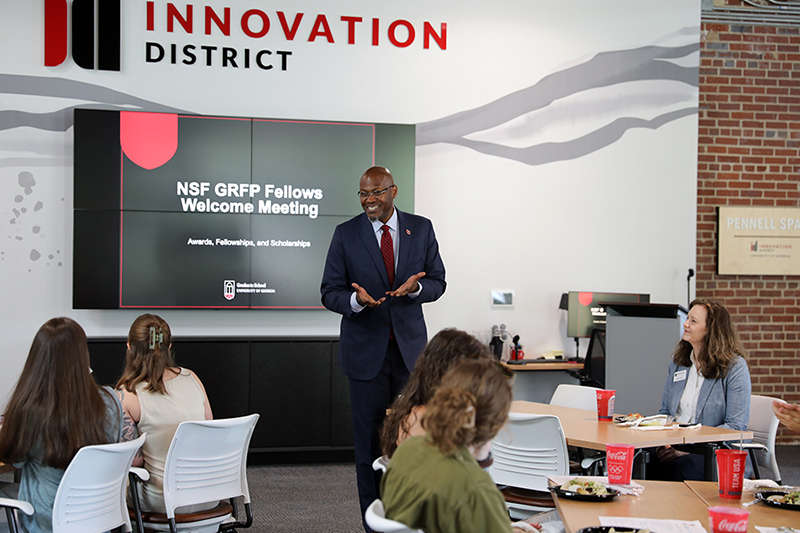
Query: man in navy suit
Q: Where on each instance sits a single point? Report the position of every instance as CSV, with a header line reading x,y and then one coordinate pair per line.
x,y
381,267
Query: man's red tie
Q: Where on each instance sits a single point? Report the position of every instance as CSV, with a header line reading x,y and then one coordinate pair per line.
x,y
387,250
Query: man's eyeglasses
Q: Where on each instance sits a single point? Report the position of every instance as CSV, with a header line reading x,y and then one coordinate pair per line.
x,y
377,194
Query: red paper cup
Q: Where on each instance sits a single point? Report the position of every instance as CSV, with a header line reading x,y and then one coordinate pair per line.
x,y
619,458
730,466
605,404
727,520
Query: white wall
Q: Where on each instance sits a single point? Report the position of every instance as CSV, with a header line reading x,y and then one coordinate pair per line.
x,y
611,212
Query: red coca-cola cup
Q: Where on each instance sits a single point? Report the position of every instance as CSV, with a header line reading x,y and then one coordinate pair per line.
x,y
605,404
727,519
730,466
619,458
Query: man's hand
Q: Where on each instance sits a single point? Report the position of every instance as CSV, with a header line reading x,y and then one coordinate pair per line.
x,y
668,453
363,298
788,414
410,286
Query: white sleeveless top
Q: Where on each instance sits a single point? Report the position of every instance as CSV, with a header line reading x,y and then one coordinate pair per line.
x,y
160,416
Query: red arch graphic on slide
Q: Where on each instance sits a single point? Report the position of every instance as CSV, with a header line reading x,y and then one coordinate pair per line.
x,y
585,298
148,139
55,32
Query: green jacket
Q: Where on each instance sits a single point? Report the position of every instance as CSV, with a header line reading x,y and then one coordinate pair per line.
x,y
425,490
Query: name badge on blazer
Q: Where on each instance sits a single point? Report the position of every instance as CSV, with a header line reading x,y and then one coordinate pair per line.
x,y
680,375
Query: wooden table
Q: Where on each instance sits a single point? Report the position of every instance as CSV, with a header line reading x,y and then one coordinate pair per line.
x,y
760,513
663,500
670,500
581,428
584,430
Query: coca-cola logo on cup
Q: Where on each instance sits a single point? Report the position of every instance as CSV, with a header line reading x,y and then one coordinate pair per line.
x,y
617,456
730,526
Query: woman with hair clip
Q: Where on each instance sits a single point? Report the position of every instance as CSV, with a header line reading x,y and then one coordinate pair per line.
x,y
56,409
445,349
160,395
434,483
707,383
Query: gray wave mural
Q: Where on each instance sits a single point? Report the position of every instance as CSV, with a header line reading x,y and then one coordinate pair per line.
x,y
603,70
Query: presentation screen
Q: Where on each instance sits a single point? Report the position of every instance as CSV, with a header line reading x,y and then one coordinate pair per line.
x,y
187,211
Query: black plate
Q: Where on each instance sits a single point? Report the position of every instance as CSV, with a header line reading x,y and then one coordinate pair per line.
x,y
585,497
763,495
606,529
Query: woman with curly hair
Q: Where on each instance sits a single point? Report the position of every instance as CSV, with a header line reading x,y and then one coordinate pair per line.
x,y
445,349
433,482
707,383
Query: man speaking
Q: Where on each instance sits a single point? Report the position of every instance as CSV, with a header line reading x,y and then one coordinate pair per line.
x,y
381,267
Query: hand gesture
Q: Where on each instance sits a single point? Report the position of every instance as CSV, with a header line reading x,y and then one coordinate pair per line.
x,y
411,285
788,414
363,297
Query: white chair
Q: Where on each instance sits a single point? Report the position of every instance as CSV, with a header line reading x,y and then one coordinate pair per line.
x,y
206,462
575,396
91,494
580,397
375,517
764,425
379,464
528,450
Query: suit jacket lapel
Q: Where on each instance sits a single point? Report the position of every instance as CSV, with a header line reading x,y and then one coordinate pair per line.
x,y
405,236
367,234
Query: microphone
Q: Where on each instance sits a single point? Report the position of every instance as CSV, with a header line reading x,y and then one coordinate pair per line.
x,y
689,287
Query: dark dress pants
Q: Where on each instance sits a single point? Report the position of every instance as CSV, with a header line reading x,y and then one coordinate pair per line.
x,y
368,402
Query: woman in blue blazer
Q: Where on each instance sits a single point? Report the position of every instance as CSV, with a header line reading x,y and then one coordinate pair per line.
x,y
708,383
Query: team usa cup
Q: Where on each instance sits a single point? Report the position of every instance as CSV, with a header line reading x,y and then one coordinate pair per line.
x,y
730,466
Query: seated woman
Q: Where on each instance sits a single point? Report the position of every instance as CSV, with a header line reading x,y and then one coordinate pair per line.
x,y
707,383
433,482
158,395
446,348
56,409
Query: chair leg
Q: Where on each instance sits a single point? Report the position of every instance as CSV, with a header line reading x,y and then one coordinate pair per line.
x,y
11,517
137,511
754,460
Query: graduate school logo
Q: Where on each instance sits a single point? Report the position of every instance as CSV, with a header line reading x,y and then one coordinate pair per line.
x,y
230,289
89,26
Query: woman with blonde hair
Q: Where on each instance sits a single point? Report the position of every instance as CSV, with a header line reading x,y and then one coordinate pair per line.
x,y
158,395
707,383
433,482
56,409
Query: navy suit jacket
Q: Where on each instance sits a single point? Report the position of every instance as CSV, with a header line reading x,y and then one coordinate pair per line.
x,y
355,256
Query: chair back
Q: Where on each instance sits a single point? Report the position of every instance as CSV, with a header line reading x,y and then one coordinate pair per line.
x,y
91,495
575,396
207,461
375,517
764,425
528,450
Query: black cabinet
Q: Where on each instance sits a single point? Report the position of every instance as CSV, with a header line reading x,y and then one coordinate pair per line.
x,y
294,384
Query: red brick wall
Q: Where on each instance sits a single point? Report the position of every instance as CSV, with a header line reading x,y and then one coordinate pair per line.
x,y
748,144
